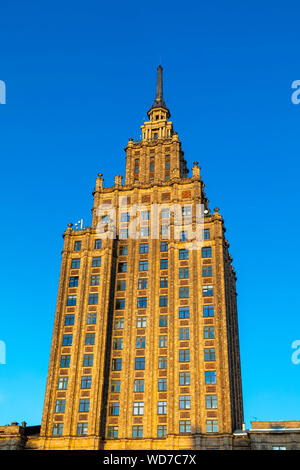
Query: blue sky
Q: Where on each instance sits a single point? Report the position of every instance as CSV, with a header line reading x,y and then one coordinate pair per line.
x,y
80,78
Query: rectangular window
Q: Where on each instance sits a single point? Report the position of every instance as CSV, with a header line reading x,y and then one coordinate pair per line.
x,y
65,361
75,263
96,262
163,301
144,232
121,285
183,236
184,402
184,355
183,254
69,319
88,360
207,271
142,302
62,383
183,273
212,425
115,386
114,409
163,282
184,333
209,332
123,233
186,211
112,432
184,312
91,319
98,244
117,343
140,342
163,341
123,250
60,406
95,280
143,265
184,427
73,281
71,300
184,378
210,377
161,407
138,408
209,354
86,381
67,340
163,263
165,213
162,385
208,310
137,431
207,291
184,292
162,362
161,430
206,252
93,299
163,320
117,364
141,322
82,429
57,429
164,246
206,234
120,304
142,283
145,215
122,268
139,385
125,217
77,246
144,248
84,405
119,323
211,401
90,338
139,363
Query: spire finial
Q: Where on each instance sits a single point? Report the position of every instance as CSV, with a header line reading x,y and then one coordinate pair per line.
x,y
159,99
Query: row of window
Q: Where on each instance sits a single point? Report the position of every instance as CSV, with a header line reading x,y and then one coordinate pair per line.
x,y
184,312
97,245
96,262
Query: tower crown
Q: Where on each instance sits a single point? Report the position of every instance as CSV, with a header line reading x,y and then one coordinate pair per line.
x,y
159,108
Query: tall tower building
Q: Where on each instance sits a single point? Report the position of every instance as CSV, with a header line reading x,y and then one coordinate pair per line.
x,y
145,348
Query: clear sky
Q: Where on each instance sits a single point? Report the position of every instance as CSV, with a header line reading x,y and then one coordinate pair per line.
x,y
80,77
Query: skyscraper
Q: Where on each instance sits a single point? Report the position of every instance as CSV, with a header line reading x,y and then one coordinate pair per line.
x,y
145,348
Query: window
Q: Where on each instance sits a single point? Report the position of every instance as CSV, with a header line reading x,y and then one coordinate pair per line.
x,y
208,310
139,385
142,283
210,377
184,292
183,236
163,320
120,304
96,262
90,338
69,319
184,426
77,246
141,322
137,431
62,383
75,263
206,252
71,300
206,234
112,432
123,250
82,429
144,248
184,333
142,302
123,233
207,291
161,407
93,299
209,354
143,265
163,263
140,342
136,165
207,271
65,361
105,219
95,280
57,429
84,404
145,215
164,246
184,312
73,281
117,364
183,273
139,363
162,385
163,301
115,386
144,232
184,402
184,378
209,332
121,285
119,323
86,381
88,360
138,408
162,362
165,213
186,211
163,340
211,401
125,217
67,340
122,268
117,343
98,244
278,448
163,282
167,162
161,430
152,164
183,254
91,319
184,355
114,409
212,425
164,230
60,406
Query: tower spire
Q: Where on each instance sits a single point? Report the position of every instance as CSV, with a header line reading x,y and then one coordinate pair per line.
x,y
159,99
